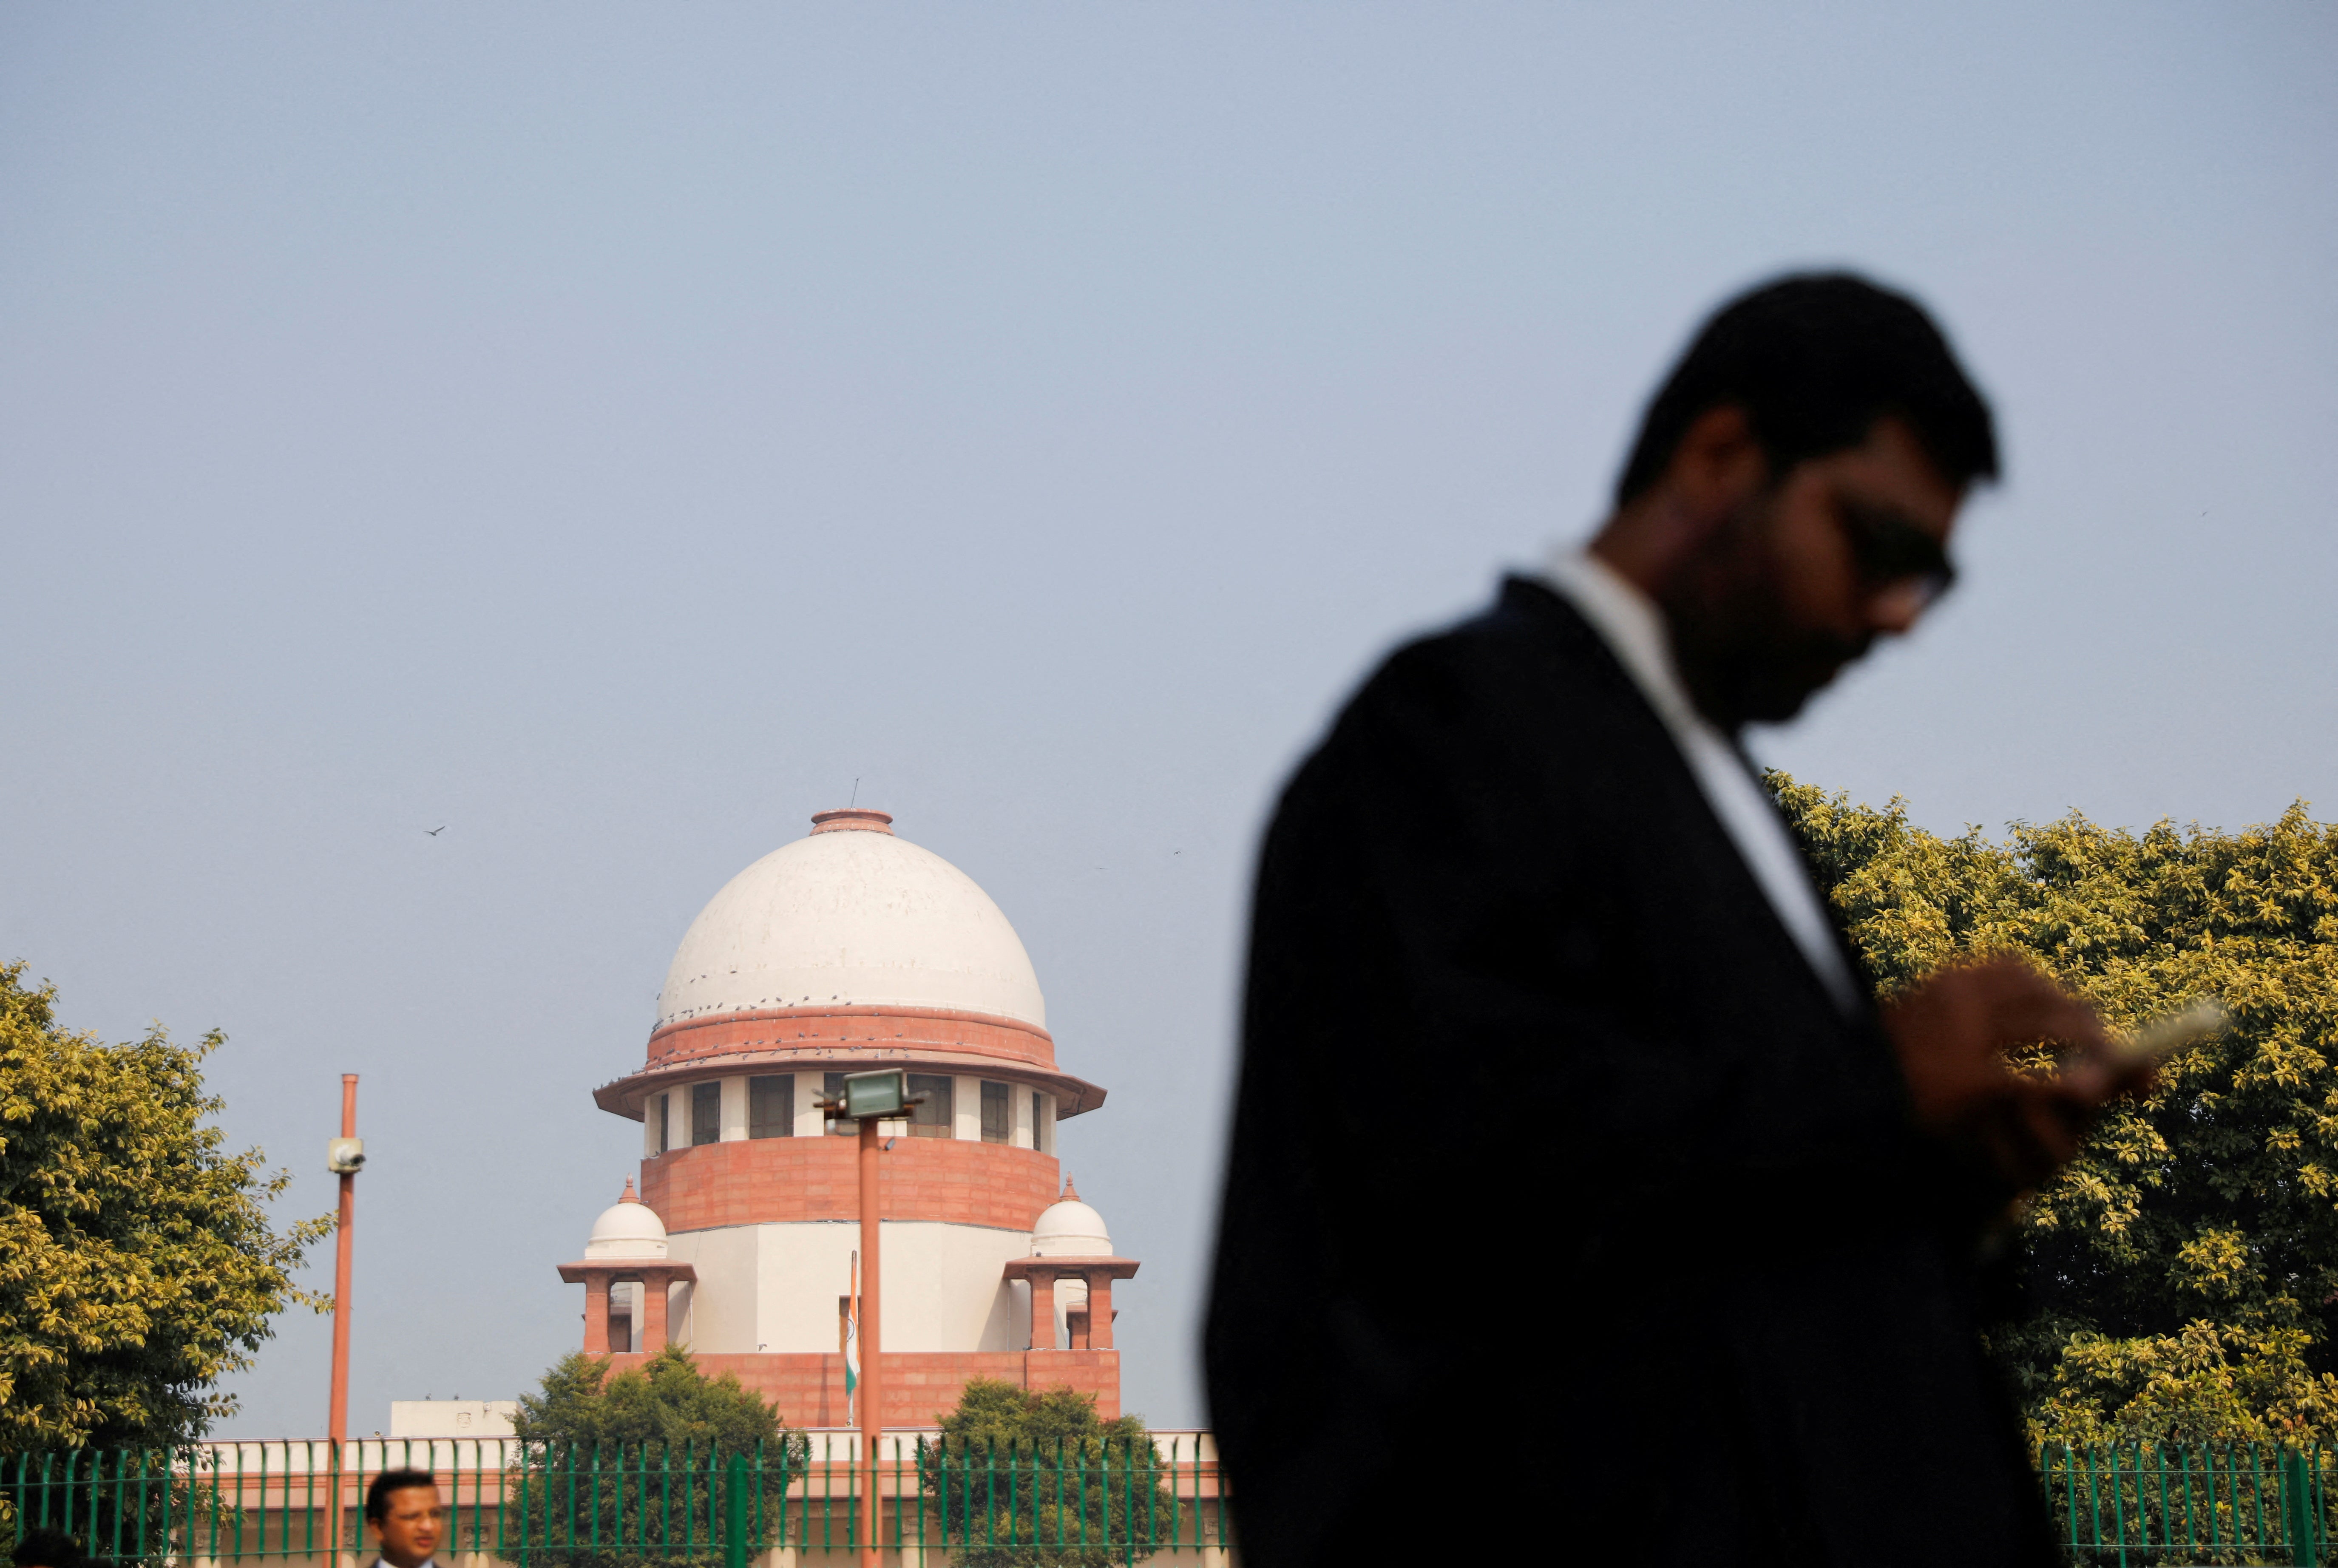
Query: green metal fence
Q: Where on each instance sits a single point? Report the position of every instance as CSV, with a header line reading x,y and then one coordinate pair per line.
x,y
618,1506
622,1505
2145,1504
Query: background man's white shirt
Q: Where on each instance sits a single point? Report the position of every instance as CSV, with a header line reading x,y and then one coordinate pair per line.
x,y
1633,627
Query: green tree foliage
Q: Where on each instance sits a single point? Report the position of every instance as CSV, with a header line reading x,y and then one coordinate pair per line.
x,y
2186,1265
1025,1480
645,1455
137,1261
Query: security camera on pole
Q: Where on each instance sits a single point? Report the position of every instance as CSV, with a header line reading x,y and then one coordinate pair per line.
x,y
869,1099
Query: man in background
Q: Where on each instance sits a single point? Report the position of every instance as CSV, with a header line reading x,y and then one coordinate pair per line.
x,y
1581,1198
407,1518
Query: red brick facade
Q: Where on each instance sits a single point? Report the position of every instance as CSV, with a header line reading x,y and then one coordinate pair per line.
x,y
919,1388
772,1181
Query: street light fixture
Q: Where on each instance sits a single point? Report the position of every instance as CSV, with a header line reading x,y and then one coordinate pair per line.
x,y
882,1096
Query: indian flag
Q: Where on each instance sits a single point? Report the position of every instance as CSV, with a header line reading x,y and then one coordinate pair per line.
x,y
852,1332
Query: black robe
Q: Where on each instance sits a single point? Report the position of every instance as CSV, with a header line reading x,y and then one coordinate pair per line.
x,y
1566,1212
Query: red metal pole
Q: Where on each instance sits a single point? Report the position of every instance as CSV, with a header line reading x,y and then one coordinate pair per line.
x,y
337,1428
872,1422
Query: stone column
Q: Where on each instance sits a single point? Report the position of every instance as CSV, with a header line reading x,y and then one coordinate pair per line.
x,y
655,1286
1100,1310
1043,1310
596,1315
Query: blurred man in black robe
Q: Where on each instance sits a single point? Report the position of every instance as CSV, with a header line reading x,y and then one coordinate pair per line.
x,y
1582,1203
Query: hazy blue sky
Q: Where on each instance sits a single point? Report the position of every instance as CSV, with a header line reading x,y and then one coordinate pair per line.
x,y
609,431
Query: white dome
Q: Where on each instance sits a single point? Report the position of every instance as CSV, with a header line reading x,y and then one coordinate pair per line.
x,y
856,916
1070,1228
627,1229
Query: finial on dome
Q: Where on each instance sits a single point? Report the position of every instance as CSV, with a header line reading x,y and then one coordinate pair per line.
x,y
627,1196
1071,1194
852,818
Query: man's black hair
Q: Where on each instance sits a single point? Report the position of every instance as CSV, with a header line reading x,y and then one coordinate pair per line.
x,y
1814,359
48,1549
378,1494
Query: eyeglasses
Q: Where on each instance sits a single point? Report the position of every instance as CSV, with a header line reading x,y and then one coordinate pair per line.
x,y
1890,552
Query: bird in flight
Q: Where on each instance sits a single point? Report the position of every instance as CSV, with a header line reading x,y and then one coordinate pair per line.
x,y
433,832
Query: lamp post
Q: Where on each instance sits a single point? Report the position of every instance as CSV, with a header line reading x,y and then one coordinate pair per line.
x,y
870,1099
344,1157
872,1375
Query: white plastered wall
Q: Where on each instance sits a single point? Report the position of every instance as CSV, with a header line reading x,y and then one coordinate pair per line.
x,y
774,1286
812,1121
721,1305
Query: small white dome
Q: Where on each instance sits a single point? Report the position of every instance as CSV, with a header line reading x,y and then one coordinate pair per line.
x,y
627,1229
1070,1228
852,915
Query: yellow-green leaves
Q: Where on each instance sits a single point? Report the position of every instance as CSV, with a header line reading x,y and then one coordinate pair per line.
x,y
2185,1267
2216,1265
137,1261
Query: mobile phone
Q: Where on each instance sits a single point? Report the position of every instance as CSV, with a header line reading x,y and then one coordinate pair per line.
x,y
2165,1036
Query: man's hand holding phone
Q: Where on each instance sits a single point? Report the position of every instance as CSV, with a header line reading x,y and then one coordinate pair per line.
x,y
1952,1032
